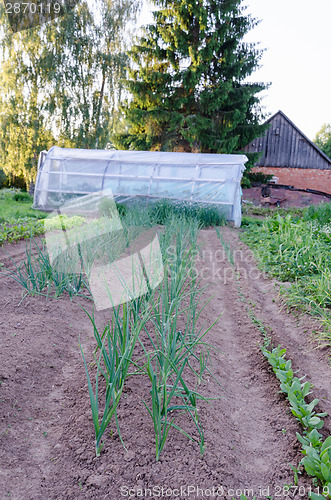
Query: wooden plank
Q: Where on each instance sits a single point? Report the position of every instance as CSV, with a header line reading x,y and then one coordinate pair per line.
x,y
288,149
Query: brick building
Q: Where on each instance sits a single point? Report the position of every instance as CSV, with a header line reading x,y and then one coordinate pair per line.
x,y
290,156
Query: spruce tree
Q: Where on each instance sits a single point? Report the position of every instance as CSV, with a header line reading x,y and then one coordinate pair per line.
x,y
187,80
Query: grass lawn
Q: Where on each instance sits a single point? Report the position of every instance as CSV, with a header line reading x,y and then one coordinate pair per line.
x,y
18,220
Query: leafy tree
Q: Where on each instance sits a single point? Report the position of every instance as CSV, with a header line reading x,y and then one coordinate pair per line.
x,y
23,131
323,139
188,80
60,83
86,53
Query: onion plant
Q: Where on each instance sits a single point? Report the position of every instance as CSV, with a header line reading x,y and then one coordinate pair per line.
x,y
37,275
113,357
173,350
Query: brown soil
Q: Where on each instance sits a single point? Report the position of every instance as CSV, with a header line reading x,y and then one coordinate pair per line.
x,y
46,430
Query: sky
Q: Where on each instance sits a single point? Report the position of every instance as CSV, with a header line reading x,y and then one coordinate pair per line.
x,y
297,36
297,61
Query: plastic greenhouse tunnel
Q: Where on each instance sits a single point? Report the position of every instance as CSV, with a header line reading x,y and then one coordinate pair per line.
x,y
144,176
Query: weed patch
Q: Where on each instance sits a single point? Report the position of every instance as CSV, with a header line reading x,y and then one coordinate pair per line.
x,y
17,218
299,252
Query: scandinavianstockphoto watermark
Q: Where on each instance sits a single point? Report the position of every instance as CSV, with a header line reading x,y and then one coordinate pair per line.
x,y
218,266
218,273
220,255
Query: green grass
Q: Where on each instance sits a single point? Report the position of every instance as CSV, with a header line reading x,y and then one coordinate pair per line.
x,y
16,204
18,220
251,210
298,250
319,213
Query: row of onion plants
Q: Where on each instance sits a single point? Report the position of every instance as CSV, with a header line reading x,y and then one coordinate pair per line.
x,y
175,354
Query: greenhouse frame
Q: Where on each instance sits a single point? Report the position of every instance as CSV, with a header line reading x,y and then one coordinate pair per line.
x,y
207,179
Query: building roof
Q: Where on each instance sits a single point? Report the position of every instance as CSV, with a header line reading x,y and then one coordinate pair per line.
x,y
300,132
284,145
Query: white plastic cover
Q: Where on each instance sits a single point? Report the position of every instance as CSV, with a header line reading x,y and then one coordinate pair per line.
x,y
209,179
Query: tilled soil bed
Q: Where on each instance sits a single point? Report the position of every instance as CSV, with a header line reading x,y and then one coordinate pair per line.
x,y
46,429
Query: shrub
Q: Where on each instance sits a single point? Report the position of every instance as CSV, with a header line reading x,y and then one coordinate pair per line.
x,y
8,193
23,197
245,183
259,177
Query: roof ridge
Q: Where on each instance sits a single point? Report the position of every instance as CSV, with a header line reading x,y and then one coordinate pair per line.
x,y
280,112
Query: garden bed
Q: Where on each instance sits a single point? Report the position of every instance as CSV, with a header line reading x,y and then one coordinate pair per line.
x,y
46,432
